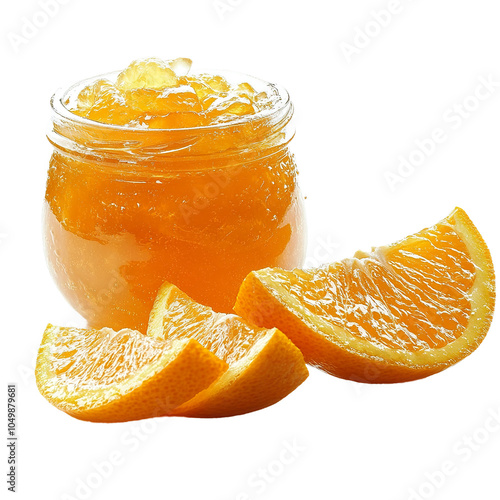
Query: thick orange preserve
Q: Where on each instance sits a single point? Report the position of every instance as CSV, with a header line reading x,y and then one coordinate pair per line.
x,y
199,204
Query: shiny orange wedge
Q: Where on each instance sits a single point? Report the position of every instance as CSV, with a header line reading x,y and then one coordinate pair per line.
x,y
108,376
400,312
263,365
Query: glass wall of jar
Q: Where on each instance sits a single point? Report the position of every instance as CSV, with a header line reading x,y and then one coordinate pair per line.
x,y
129,208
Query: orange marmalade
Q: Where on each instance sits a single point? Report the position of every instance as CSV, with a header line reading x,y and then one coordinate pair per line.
x,y
158,175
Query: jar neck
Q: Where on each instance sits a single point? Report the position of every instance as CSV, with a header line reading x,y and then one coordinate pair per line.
x,y
256,135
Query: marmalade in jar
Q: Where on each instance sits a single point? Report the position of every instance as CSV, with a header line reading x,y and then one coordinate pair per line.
x,y
159,175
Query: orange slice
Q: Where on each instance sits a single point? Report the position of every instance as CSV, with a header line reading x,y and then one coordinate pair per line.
x,y
398,313
264,366
107,376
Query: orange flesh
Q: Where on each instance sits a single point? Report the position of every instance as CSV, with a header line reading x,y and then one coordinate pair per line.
x,y
107,376
115,233
412,296
228,336
263,365
79,354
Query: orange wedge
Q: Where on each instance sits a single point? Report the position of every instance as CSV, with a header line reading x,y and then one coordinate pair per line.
x,y
107,376
264,366
398,313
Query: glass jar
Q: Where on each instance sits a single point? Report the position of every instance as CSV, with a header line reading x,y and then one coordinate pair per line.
x,y
129,208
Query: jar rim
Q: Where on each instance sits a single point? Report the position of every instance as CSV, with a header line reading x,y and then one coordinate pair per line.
x,y
61,95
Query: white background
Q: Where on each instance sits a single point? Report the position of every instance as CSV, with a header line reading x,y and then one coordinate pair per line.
x,y
354,119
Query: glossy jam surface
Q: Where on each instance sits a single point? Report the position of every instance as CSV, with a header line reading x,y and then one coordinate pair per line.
x,y
158,94
200,204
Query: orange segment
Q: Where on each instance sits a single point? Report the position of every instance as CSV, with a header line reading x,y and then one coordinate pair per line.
x,y
107,376
400,312
264,366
